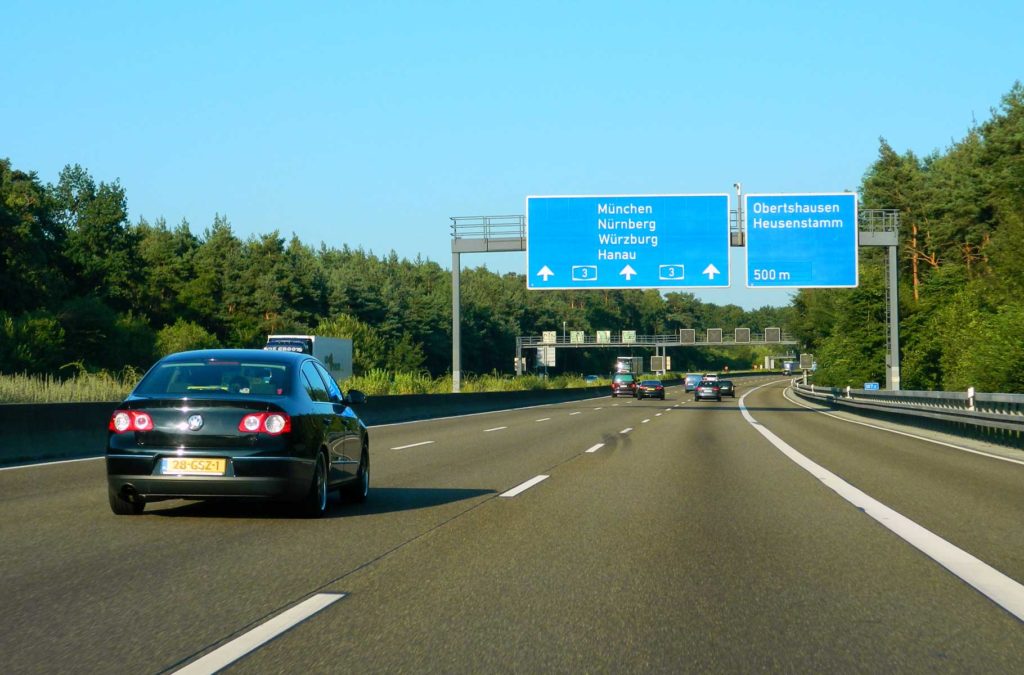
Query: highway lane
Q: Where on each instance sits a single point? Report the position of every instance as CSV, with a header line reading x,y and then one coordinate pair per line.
x,y
972,501
687,541
81,585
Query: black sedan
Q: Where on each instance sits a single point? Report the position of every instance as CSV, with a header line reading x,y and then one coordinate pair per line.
x,y
650,389
707,389
237,423
726,388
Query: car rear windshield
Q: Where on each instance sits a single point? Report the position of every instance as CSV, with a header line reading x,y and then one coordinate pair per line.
x,y
651,383
201,378
623,378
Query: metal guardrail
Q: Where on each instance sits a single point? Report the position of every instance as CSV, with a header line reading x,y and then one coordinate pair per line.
x,y
998,418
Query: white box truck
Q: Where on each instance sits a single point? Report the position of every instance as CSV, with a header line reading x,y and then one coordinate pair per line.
x,y
335,353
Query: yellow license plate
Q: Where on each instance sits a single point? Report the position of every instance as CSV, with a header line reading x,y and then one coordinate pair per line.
x,y
193,466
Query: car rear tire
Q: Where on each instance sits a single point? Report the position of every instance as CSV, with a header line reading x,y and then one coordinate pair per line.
x,y
357,490
314,504
125,507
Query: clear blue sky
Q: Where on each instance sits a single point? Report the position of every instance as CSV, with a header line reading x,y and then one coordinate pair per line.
x,y
371,123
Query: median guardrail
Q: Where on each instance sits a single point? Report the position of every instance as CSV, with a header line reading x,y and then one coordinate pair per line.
x,y
36,432
998,418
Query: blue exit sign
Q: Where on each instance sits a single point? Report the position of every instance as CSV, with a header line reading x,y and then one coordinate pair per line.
x,y
801,240
627,241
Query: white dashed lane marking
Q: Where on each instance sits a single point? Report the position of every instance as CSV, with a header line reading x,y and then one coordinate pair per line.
x,y
259,636
412,445
523,487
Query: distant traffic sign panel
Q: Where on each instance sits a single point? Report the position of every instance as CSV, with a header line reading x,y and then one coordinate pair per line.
x,y
637,241
801,240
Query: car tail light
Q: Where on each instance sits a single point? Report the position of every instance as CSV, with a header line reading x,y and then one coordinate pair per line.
x,y
130,420
267,423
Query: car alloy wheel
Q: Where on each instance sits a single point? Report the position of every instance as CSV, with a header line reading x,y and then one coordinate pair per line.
x,y
314,504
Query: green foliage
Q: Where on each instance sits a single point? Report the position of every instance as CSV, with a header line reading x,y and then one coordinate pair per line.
x,y
100,246
78,386
79,283
31,242
30,343
184,336
961,269
368,347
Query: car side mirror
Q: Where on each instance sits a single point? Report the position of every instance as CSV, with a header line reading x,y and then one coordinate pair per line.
x,y
355,397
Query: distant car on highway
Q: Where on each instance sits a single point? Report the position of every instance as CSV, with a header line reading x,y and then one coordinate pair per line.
x,y
726,388
707,389
591,379
650,389
711,377
691,381
623,384
237,423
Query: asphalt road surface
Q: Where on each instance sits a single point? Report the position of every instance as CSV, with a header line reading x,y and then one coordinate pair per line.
x,y
609,535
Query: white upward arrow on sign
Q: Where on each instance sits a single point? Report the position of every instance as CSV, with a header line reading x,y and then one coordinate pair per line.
x,y
545,272
711,271
628,272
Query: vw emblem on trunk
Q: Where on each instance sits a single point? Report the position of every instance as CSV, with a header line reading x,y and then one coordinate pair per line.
x,y
195,422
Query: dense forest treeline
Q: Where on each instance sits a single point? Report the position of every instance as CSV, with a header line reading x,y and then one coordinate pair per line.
x,y
80,284
961,268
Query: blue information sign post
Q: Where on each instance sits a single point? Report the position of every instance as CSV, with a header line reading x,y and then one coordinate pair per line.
x,y
639,241
801,240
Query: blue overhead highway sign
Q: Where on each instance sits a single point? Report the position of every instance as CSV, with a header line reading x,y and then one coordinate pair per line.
x,y
801,240
631,241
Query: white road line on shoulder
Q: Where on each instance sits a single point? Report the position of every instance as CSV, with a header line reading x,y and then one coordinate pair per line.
x,y
494,429
626,430
902,433
222,657
412,445
595,448
543,419
61,461
523,487
989,581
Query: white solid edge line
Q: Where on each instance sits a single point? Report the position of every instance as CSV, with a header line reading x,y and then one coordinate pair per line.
x,y
989,581
523,487
412,445
494,429
60,461
595,448
901,433
239,647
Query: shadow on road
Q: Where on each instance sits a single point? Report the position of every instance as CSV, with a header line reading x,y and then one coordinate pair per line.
x,y
380,500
